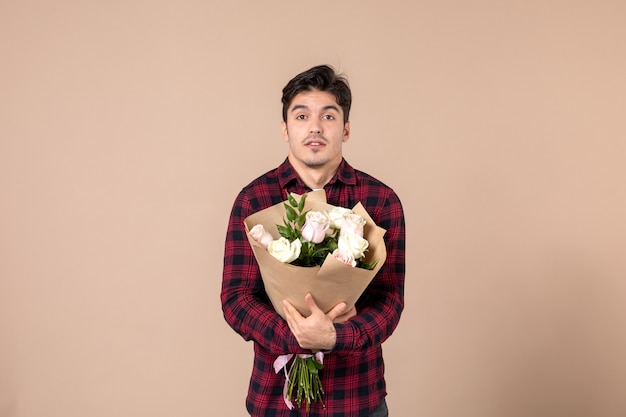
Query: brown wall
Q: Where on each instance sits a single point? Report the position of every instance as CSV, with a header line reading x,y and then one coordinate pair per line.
x,y
128,127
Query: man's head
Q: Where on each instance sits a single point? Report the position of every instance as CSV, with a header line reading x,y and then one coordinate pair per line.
x,y
315,123
320,78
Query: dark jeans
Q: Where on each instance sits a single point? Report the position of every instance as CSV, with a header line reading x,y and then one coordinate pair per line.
x,y
381,410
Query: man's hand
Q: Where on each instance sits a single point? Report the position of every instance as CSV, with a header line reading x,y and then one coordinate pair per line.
x,y
317,331
345,316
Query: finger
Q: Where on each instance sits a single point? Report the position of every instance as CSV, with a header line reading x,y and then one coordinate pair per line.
x,y
336,311
310,303
345,316
290,312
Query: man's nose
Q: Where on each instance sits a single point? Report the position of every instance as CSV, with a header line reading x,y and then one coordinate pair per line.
x,y
315,127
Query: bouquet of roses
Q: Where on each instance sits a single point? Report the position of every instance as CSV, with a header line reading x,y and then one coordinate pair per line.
x,y
304,245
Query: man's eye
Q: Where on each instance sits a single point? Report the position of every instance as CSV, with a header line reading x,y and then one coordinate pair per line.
x,y
329,117
300,117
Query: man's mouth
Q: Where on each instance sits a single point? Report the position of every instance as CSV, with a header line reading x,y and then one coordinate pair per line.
x,y
315,142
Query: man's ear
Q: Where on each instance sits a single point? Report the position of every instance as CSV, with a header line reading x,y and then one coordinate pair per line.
x,y
346,131
285,133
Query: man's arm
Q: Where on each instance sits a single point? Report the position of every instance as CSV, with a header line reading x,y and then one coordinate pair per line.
x,y
245,304
382,303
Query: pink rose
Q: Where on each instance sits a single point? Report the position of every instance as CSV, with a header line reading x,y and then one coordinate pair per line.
x,y
352,223
314,229
344,256
259,234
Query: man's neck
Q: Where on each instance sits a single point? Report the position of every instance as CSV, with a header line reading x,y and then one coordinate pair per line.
x,y
316,177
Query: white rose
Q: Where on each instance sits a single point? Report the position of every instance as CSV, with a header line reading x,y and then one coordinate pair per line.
x,y
285,251
335,215
354,244
353,223
344,257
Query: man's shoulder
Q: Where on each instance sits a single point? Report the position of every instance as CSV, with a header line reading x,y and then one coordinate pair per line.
x,y
351,175
263,191
365,179
267,177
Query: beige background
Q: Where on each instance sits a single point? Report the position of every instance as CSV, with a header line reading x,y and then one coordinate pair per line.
x,y
128,127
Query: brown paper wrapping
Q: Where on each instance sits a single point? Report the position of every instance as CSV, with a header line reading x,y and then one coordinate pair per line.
x,y
330,283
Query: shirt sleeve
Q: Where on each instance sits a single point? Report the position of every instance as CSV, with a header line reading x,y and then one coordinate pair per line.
x,y
380,306
245,304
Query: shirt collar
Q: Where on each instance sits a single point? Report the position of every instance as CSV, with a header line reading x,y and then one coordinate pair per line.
x,y
286,174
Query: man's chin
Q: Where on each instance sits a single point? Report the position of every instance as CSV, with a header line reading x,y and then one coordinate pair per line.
x,y
315,163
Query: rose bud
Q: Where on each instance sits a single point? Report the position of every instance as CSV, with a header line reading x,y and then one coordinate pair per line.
x,y
314,229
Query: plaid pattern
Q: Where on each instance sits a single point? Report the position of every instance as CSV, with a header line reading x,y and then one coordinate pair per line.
x,y
353,374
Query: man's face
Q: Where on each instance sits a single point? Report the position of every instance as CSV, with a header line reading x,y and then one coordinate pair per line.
x,y
315,130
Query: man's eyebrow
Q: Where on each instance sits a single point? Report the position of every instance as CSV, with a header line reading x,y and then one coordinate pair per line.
x,y
299,107
331,107
304,107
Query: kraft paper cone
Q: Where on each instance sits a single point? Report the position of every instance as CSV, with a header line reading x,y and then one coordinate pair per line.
x,y
331,283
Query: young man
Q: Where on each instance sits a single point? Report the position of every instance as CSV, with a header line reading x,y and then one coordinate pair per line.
x,y
316,107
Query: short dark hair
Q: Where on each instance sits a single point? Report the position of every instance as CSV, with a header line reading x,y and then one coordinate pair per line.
x,y
319,78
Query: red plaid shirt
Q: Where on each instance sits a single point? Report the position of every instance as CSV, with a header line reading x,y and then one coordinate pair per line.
x,y
353,374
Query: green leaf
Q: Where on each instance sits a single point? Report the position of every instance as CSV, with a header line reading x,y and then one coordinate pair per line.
x,y
292,200
284,231
301,205
365,265
321,252
301,220
318,365
290,212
